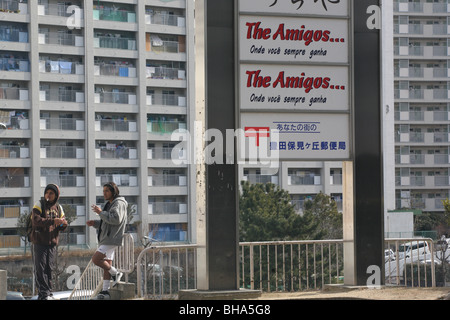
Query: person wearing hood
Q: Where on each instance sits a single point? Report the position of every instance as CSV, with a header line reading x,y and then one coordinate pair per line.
x,y
47,220
110,229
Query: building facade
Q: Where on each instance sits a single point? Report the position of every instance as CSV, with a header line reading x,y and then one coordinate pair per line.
x,y
422,70
91,92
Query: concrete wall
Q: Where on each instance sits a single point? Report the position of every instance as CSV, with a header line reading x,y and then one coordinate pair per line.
x,y
399,224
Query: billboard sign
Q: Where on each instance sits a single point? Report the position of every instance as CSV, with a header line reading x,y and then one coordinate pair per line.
x,y
295,77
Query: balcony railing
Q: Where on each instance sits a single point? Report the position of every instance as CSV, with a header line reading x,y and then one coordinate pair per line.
x,y
164,126
174,100
15,181
166,73
13,64
13,211
62,124
62,152
11,34
125,180
61,67
116,97
115,70
167,208
112,14
13,152
63,95
166,180
66,180
61,39
111,42
114,125
57,9
166,19
116,152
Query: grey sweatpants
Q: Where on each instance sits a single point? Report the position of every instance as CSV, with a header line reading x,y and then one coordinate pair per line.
x,y
44,258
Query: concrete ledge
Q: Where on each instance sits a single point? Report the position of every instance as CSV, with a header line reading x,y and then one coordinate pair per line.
x,y
341,288
123,291
218,295
3,285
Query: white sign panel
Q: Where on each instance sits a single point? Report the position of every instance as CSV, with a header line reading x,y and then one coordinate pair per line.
x,y
293,39
305,136
295,79
294,87
304,7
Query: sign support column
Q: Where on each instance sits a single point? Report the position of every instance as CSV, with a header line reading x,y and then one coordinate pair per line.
x,y
365,236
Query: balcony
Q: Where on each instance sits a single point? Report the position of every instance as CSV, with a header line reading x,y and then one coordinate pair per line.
x,y
161,207
111,41
14,6
115,70
60,67
61,95
422,116
421,94
60,9
62,152
120,179
423,182
164,18
14,178
167,180
116,96
422,51
166,99
436,73
427,138
115,125
258,178
14,64
118,150
61,124
165,73
13,33
164,127
113,13
14,151
63,181
421,8
61,39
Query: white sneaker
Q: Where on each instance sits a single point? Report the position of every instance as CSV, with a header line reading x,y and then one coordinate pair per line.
x,y
115,278
51,298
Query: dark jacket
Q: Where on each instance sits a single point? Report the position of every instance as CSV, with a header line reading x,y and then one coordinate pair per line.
x,y
44,231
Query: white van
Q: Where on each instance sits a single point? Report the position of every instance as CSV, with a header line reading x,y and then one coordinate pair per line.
x,y
413,249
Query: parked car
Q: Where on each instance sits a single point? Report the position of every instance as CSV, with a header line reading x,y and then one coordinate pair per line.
x,y
13,295
413,249
389,255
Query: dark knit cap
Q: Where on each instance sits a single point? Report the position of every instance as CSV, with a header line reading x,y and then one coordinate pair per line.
x,y
54,188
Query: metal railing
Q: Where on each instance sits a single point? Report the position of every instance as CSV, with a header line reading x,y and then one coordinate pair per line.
x,y
163,270
91,279
287,266
410,261
290,265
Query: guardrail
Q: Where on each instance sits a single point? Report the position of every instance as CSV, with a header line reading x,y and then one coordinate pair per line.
x,y
410,261
278,266
162,270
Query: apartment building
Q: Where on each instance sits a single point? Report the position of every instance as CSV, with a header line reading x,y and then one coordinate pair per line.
x,y
422,70
90,92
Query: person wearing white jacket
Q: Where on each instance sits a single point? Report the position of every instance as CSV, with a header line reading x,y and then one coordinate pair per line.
x,y
110,229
